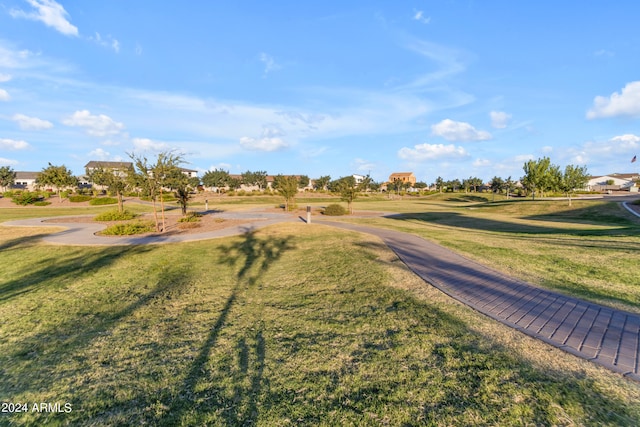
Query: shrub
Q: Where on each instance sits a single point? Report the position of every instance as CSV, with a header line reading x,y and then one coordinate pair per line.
x,y
79,199
103,201
334,210
129,228
41,203
115,216
188,225
25,198
191,217
637,202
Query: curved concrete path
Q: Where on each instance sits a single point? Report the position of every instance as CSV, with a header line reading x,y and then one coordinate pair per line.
x,y
83,233
605,336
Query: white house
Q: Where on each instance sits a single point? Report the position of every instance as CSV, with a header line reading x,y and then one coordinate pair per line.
x,y
614,181
25,180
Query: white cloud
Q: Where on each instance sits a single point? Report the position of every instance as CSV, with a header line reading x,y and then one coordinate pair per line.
x,y
458,131
423,152
4,95
481,162
146,144
627,139
99,125
269,63
7,162
220,166
625,103
31,123
420,17
4,77
547,149
499,119
12,144
100,154
270,140
263,144
50,13
523,158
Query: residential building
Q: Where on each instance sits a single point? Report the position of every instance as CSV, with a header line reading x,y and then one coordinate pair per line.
x,y
614,181
403,177
25,180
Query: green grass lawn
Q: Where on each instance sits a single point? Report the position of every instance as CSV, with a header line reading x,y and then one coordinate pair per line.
x,y
290,325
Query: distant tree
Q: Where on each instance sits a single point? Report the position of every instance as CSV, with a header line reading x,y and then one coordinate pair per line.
x,y
260,179
57,176
115,181
322,182
348,190
366,183
163,170
144,179
303,181
7,177
420,185
509,186
234,183
216,178
535,177
474,183
496,184
287,186
439,183
181,185
573,178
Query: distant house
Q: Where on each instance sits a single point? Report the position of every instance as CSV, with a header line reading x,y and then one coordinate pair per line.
x,y
403,177
25,180
190,172
358,178
614,181
120,168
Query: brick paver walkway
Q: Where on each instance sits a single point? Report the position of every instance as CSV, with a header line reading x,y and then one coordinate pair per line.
x,y
603,335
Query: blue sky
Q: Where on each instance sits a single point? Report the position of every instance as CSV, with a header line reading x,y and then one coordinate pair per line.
x,y
441,88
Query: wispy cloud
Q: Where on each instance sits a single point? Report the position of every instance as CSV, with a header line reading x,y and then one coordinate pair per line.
x,y
31,123
458,131
7,162
269,64
50,13
4,77
499,119
108,42
146,144
95,125
4,95
625,103
422,152
419,16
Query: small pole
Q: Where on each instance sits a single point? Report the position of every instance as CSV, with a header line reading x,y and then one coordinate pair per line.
x,y
308,214
206,205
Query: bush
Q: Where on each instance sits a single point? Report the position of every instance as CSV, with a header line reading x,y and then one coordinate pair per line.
x,y
79,199
334,210
41,203
103,201
130,228
25,198
115,216
191,217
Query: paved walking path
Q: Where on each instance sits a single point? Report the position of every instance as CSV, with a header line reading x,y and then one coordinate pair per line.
x,y
605,336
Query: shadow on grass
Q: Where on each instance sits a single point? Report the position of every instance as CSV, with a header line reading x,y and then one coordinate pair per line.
x,y
252,256
22,242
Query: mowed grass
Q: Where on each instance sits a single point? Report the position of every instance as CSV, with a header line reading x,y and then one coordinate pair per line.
x,y
289,325
590,250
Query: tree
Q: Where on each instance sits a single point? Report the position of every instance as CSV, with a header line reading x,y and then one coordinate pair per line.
x,y
509,186
574,177
182,186
535,177
163,170
57,176
303,181
439,183
115,181
215,178
348,190
7,177
287,186
144,178
474,182
497,185
322,182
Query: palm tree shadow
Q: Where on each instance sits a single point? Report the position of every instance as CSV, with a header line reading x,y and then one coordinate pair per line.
x,y
254,256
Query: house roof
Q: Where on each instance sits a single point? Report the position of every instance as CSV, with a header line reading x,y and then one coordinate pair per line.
x,y
108,165
402,174
27,175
